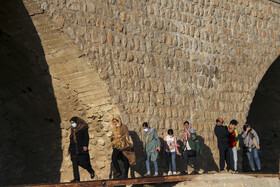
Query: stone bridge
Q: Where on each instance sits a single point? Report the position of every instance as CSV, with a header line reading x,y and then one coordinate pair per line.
x,y
162,61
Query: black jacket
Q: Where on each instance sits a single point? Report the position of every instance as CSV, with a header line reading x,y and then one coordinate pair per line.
x,y
222,134
82,141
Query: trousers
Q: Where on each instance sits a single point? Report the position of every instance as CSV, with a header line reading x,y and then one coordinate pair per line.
x,y
118,154
83,161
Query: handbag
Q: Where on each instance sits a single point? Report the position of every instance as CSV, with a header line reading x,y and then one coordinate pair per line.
x,y
123,143
246,149
191,153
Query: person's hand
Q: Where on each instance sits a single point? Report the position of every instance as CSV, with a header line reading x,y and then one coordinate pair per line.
x,y
178,145
158,149
238,148
247,129
85,148
258,147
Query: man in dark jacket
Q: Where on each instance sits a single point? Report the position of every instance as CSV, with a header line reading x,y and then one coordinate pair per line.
x,y
222,134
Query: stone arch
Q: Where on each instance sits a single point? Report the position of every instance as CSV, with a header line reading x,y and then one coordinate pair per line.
x,y
264,117
60,83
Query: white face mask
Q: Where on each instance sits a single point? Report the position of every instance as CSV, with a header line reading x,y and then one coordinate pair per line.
x,y
117,125
74,125
145,130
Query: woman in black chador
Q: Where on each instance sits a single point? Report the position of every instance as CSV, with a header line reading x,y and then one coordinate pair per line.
x,y
78,147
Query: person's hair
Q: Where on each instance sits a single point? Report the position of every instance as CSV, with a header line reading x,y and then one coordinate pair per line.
x,y
170,132
75,119
217,120
233,122
186,122
115,119
145,124
245,126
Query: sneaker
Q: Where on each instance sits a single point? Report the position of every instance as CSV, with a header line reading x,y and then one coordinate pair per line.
x,y
156,174
175,173
169,173
148,174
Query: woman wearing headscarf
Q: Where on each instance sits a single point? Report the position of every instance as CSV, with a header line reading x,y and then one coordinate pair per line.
x,y
78,148
190,147
127,156
151,144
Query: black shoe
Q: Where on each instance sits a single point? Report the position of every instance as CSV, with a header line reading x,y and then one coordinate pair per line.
x,y
75,180
184,172
195,172
118,175
92,175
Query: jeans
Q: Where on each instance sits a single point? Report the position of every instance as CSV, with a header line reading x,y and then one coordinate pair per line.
x,y
233,158
116,154
224,156
170,157
254,155
186,161
148,157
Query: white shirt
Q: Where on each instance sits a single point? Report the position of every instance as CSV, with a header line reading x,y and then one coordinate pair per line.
x,y
170,141
188,146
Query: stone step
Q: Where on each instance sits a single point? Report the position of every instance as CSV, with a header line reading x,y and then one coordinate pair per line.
x,y
55,45
49,35
54,59
89,86
83,86
96,102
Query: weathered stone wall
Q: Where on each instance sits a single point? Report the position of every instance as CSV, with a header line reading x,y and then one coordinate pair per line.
x,y
170,61
162,61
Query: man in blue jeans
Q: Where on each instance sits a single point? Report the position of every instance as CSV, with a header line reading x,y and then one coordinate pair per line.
x,y
223,134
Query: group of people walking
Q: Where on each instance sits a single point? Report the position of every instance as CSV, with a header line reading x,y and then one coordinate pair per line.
x,y
228,145
152,145
122,145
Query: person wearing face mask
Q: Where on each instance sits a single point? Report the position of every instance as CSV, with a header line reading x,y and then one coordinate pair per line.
x,y
171,149
151,145
78,147
191,148
127,156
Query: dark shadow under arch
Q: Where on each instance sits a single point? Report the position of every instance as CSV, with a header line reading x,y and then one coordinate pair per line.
x,y
30,134
264,117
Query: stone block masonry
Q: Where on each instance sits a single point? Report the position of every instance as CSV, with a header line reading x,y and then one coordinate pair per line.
x,y
162,61
167,61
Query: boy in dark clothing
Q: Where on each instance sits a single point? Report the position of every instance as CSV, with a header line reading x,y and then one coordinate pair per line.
x,y
223,134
